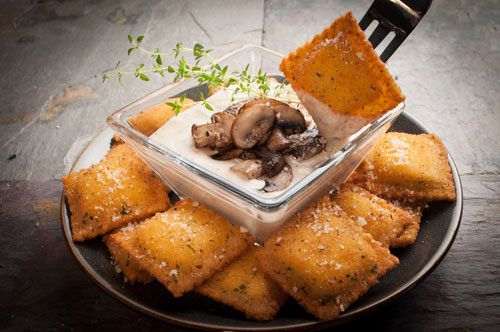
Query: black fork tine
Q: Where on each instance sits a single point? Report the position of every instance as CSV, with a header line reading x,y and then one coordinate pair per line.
x,y
366,20
378,35
392,47
399,16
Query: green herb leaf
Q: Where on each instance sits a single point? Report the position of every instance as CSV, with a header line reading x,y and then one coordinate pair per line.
x,y
210,73
124,210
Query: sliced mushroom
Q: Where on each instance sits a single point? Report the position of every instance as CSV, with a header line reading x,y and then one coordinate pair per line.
x,y
274,161
307,144
264,139
225,120
251,126
234,109
290,119
206,135
280,181
252,168
232,154
216,134
278,140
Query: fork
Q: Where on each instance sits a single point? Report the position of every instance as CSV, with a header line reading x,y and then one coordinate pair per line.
x,y
399,16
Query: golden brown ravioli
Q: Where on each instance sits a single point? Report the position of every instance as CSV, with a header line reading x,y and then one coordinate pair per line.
x,y
184,245
124,263
150,120
324,260
119,189
403,165
244,287
340,68
383,220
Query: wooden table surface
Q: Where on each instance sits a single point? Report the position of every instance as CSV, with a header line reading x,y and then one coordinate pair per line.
x,y
53,103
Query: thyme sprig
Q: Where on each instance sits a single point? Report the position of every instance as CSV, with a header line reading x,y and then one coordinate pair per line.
x,y
205,70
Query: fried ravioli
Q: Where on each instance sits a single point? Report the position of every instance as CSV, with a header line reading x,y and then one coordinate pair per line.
x,y
383,220
184,246
150,120
118,190
414,208
244,287
403,165
324,260
124,263
340,68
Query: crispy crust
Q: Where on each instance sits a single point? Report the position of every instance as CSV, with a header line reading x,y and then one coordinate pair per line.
x,y
340,68
403,165
324,260
118,190
130,268
384,221
126,151
150,120
410,232
245,288
184,246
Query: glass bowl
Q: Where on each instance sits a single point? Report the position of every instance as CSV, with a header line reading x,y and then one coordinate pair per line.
x,y
260,215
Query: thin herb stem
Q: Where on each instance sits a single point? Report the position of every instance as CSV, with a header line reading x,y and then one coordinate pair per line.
x,y
211,73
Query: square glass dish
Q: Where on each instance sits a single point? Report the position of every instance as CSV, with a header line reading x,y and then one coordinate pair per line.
x,y
260,215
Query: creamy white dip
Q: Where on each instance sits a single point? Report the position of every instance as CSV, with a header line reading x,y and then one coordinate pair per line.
x,y
175,134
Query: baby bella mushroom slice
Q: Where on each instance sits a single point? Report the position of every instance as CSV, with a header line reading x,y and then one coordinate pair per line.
x,y
274,161
278,141
280,181
216,134
289,119
252,168
252,125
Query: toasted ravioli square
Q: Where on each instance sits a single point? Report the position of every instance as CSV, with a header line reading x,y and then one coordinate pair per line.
x,y
403,165
415,209
124,263
324,260
184,245
340,68
119,189
383,220
244,287
150,120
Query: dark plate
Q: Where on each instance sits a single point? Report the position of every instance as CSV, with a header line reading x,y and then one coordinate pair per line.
x,y
439,226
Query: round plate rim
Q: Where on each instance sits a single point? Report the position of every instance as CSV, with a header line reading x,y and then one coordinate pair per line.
x,y
432,263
